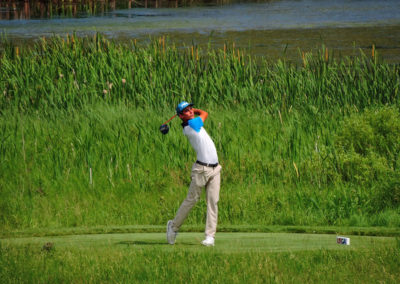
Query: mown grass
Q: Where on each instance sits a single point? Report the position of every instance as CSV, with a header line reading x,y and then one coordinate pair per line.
x,y
237,258
314,144
67,231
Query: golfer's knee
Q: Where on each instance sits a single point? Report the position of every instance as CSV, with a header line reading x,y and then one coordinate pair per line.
x,y
213,202
192,200
212,196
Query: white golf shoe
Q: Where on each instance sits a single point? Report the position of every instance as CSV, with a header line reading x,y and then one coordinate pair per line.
x,y
171,234
208,242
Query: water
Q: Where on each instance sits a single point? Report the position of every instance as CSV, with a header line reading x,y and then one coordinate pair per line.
x,y
270,28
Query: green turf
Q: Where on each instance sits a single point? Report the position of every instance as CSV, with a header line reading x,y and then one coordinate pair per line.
x,y
225,242
236,258
338,230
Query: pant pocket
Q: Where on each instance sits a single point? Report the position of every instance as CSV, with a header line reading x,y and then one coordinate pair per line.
x,y
198,178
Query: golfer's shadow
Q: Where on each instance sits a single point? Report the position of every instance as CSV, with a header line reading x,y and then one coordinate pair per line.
x,y
151,243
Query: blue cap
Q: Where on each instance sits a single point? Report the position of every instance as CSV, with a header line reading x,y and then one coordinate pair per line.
x,y
181,106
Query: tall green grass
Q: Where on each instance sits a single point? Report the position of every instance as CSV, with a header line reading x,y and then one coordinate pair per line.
x,y
110,165
313,144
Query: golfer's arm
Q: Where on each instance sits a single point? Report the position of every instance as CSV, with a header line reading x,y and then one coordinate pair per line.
x,y
203,114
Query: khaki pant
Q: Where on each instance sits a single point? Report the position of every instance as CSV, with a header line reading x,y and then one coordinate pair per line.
x,y
209,178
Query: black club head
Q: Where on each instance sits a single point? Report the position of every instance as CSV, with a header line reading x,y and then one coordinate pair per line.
x,y
164,129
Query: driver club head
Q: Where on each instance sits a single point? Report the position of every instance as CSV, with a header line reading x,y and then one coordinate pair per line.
x,y
164,129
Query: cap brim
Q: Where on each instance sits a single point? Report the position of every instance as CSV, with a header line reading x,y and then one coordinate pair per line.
x,y
189,105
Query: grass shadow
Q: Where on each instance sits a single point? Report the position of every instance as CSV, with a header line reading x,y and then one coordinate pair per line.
x,y
150,243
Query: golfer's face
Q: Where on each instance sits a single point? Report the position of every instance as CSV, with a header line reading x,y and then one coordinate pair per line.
x,y
187,113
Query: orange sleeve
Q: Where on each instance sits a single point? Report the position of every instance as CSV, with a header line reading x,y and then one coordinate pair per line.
x,y
203,114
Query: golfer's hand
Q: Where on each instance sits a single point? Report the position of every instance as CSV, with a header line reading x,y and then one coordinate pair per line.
x,y
201,113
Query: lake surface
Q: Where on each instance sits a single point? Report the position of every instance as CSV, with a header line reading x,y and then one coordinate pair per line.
x,y
265,28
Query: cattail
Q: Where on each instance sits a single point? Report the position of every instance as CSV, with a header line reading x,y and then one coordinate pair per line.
x,y
326,54
224,51
373,51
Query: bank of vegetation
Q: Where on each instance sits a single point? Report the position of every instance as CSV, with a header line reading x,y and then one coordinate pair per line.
x,y
314,143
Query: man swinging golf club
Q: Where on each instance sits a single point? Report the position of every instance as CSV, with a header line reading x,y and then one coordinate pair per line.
x,y
205,173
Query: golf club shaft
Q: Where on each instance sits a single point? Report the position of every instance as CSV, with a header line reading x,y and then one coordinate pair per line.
x,y
169,119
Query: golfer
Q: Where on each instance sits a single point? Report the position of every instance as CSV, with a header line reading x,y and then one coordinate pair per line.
x,y
205,173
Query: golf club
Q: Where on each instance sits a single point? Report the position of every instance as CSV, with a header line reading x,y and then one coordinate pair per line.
x,y
164,128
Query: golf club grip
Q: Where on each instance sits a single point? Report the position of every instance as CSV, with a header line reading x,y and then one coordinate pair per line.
x,y
169,119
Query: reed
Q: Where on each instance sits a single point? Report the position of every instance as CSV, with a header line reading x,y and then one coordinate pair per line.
x,y
299,145
71,72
